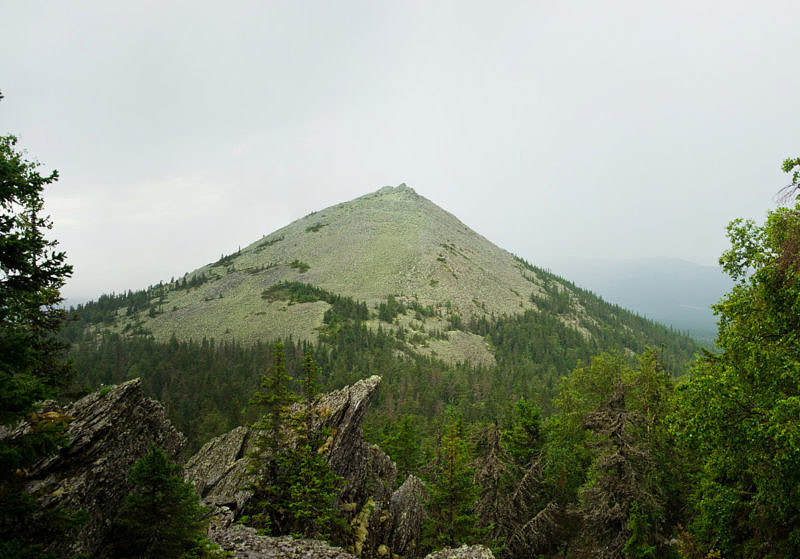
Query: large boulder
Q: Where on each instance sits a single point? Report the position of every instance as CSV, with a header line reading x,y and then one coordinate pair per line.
x,y
108,432
244,542
407,514
383,521
463,552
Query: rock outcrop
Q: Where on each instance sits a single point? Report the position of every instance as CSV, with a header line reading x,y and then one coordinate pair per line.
x,y
108,432
407,514
383,521
463,552
243,542
219,470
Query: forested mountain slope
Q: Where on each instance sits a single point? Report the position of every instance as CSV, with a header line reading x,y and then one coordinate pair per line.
x,y
388,283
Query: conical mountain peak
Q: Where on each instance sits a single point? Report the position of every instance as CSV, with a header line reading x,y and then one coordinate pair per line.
x,y
391,242
390,245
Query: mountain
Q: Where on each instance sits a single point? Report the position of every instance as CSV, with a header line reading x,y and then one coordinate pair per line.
x,y
391,242
668,290
387,283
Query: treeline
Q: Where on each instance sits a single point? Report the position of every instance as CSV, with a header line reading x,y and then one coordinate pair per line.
x,y
206,385
106,309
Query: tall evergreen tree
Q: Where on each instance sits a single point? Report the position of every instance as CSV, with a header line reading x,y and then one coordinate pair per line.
x,y
32,362
451,521
495,474
294,489
610,459
162,516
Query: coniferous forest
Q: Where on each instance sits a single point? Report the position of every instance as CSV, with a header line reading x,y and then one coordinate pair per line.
x,y
603,442
570,445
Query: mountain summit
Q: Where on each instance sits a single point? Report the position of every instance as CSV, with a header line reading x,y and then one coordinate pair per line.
x,y
388,282
392,242
393,250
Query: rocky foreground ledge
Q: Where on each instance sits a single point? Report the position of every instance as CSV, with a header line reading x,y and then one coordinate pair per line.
x,y
385,522
109,431
243,542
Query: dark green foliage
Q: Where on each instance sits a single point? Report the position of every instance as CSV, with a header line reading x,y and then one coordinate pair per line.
x,y
402,442
28,530
791,165
295,490
639,528
342,308
524,439
609,455
422,310
32,364
496,476
205,386
390,309
273,401
107,309
738,412
316,227
32,361
269,242
162,515
226,260
310,373
300,266
452,493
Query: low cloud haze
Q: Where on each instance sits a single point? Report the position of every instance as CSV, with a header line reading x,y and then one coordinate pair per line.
x,y
557,130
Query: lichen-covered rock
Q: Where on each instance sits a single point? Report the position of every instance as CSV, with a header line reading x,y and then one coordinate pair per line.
x,y
463,552
407,513
218,472
108,432
244,542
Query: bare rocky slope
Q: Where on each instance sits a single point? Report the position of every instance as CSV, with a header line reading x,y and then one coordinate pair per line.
x,y
391,242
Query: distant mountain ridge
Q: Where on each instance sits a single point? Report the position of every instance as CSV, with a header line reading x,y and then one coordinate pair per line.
x,y
668,290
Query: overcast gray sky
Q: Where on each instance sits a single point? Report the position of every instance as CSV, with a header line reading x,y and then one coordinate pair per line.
x,y
556,129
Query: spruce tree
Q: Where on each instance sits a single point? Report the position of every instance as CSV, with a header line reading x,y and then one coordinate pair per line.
x,y
162,515
32,362
294,489
451,521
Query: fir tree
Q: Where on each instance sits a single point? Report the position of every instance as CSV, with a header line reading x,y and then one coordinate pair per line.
x,y
162,515
294,491
32,362
451,521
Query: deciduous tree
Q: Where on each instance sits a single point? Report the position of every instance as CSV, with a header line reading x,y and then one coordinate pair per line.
x,y
739,411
